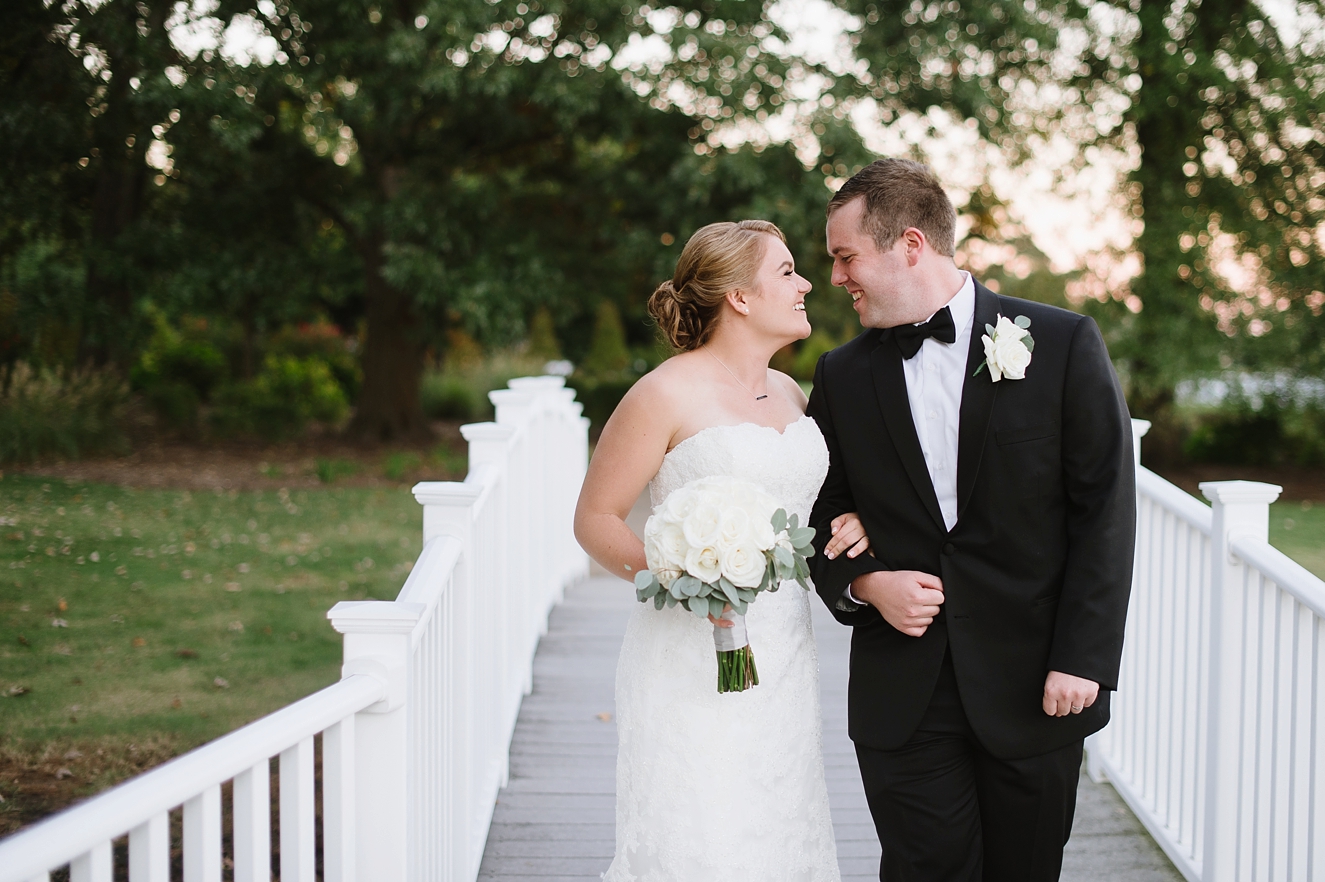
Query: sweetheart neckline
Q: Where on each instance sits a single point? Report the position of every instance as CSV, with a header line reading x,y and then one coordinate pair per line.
x,y
781,433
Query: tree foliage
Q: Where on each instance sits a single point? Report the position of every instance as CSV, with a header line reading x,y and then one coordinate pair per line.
x,y
1221,115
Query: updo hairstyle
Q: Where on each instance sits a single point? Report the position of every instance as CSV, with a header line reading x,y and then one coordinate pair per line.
x,y
718,258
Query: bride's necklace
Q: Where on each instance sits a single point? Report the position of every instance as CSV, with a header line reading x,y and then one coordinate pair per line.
x,y
736,378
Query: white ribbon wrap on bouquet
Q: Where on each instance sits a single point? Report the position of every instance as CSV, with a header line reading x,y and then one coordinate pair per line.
x,y
733,638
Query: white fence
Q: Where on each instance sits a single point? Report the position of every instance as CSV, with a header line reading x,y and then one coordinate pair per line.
x,y
415,736
1220,711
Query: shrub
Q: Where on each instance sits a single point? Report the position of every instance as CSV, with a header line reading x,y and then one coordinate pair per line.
x,y
449,395
459,390
608,353
1273,434
543,345
325,342
281,400
178,371
45,413
808,357
600,397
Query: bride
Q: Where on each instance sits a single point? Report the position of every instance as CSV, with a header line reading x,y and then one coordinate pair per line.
x,y
717,786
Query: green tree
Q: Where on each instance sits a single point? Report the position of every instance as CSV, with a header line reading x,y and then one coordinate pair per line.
x,y
1226,118
436,133
608,353
543,342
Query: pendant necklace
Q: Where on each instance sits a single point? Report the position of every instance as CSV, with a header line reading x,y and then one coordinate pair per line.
x,y
736,378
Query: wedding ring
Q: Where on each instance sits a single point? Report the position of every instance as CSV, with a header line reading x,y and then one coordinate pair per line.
x,y
1076,708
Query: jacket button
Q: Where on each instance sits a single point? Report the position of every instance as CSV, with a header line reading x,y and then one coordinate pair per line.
x,y
949,548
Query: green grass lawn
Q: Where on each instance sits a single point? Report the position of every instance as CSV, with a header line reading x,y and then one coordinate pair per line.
x,y
1298,530
129,613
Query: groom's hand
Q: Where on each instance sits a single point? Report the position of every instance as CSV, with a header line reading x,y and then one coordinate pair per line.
x,y
908,600
1065,694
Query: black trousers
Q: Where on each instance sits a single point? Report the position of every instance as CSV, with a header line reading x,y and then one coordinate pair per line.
x,y
947,811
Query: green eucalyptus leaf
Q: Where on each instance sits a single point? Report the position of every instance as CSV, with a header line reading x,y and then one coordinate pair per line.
x,y
802,537
1022,322
784,557
716,607
671,600
779,520
793,523
643,578
990,329
1030,343
660,599
700,606
740,606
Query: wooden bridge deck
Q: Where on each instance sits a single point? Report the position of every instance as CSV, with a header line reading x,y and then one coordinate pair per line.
x,y
555,820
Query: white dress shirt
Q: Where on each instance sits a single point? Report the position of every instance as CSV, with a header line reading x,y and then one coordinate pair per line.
x,y
934,379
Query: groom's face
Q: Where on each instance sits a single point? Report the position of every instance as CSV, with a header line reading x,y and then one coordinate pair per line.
x,y
878,281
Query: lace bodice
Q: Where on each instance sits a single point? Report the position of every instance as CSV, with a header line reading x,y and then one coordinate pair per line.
x,y
790,465
726,787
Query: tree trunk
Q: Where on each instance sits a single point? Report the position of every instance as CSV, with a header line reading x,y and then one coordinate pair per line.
x,y
121,179
389,408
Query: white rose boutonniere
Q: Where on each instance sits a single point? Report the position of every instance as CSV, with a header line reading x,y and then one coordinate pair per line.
x,y
1008,348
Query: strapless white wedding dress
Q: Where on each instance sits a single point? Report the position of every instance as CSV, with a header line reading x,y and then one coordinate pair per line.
x,y
726,787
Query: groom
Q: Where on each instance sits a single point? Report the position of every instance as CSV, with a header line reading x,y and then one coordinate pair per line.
x,y
998,495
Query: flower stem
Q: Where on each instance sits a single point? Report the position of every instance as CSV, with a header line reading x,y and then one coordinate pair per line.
x,y
736,670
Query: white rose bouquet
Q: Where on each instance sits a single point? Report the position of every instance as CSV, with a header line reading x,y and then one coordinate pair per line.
x,y
716,543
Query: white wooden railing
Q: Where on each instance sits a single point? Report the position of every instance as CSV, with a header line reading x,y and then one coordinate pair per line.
x,y
1219,719
415,737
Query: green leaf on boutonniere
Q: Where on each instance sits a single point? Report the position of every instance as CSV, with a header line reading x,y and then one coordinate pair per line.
x,y
1022,322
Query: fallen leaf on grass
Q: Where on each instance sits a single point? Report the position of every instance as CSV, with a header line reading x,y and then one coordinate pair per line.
x,y
14,691
237,626
74,754
233,586
186,653
138,641
63,604
221,683
59,623
62,773
176,703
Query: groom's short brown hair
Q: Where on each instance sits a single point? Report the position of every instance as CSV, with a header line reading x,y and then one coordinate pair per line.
x,y
900,194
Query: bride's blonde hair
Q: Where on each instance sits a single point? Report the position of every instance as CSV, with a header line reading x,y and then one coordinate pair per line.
x,y
716,259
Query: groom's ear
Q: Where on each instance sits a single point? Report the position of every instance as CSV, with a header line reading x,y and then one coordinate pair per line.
x,y
913,245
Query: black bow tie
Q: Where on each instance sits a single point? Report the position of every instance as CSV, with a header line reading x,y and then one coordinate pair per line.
x,y
940,327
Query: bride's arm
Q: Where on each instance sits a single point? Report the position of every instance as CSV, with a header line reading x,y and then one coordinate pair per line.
x,y
628,454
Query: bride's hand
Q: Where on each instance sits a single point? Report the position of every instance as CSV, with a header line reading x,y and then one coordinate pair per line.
x,y
848,533
723,623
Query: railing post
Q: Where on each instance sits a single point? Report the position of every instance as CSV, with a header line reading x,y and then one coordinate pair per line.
x,y
1139,430
1241,510
377,643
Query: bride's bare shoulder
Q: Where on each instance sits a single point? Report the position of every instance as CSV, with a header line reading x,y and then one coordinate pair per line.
x,y
662,397
670,382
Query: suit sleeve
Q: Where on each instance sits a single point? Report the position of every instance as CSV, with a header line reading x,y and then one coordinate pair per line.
x,y
832,577
1099,476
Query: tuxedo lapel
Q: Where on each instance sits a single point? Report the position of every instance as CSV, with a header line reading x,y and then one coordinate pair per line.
x,y
978,394
890,388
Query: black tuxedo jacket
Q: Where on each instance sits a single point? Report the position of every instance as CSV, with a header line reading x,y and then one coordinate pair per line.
x,y
1038,568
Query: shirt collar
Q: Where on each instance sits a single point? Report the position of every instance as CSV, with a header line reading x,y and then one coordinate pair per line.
x,y
961,306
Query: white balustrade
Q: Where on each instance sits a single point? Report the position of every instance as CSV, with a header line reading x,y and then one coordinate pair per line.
x,y
1220,709
415,736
